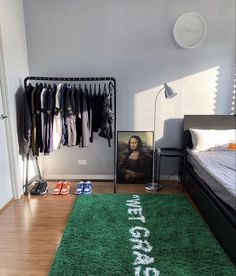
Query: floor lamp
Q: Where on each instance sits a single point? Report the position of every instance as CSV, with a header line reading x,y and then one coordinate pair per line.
x,y
169,93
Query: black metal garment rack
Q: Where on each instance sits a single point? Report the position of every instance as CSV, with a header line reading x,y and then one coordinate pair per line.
x,y
76,79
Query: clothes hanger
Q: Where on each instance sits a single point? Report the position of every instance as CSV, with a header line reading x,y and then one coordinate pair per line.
x,y
90,89
95,89
105,89
111,85
99,89
85,89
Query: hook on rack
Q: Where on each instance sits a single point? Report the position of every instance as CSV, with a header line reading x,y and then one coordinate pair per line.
x,y
111,84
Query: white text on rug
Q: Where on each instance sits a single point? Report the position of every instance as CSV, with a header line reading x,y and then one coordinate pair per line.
x,y
139,235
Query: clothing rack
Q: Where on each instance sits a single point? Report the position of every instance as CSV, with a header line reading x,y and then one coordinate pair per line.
x,y
75,79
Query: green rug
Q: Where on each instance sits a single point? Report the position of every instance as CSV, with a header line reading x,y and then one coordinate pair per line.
x,y
124,234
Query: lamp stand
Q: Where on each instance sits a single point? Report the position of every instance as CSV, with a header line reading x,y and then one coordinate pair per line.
x,y
154,186
169,93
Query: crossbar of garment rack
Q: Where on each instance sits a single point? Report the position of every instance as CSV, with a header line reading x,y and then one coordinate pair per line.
x,y
75,79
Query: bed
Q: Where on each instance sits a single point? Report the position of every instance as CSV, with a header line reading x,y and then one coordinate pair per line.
x,y
215,202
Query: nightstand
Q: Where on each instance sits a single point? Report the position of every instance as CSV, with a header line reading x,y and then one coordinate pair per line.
x,y
171,153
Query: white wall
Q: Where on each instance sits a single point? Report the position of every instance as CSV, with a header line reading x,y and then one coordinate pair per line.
x,y
132,41
16,68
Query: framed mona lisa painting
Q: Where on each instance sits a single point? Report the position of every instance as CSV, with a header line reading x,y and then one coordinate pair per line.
x,y
134,156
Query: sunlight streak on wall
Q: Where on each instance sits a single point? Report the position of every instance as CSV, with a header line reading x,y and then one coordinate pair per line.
x,y
196,94
200,91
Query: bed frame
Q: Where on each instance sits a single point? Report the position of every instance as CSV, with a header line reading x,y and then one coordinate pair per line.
x,y
220,218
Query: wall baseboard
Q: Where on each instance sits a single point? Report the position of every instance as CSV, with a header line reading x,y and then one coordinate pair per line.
x,y
94,177
4,207
78,176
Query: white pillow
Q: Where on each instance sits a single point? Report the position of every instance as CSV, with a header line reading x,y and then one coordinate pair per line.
x,y
212,139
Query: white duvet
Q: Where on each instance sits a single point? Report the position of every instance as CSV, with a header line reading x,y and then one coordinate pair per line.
x,y
221,165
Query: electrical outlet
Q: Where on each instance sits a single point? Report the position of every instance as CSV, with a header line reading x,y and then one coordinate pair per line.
x,y
82,162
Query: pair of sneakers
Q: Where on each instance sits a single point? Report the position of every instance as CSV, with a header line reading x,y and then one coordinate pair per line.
x,y
84,187
62,188
40,188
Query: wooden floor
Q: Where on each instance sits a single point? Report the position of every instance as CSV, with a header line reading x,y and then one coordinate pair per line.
x,y
31,228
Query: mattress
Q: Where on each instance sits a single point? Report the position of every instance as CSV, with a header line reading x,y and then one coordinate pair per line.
x,y
218,170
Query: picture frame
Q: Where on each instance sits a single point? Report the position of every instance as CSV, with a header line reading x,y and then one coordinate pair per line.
x,y
134,156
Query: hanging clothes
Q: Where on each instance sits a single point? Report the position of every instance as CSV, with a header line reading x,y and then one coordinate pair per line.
x,y
64,115
90,99
78,114
57,127
107,116
33,116
37,104
64,137
27,119
70,118
85,119
48,120
88,95
43,108
97,109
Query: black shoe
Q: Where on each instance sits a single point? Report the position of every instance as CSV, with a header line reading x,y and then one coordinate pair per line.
x,y
43,188
33,191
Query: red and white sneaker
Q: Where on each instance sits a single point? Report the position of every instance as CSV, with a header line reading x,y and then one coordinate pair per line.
x,y
65,188
58,187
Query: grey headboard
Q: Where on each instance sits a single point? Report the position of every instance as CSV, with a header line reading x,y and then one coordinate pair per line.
x,y
206,122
